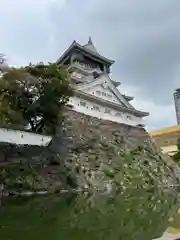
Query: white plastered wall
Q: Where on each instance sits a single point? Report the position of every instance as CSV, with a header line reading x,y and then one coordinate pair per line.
x,y
96,110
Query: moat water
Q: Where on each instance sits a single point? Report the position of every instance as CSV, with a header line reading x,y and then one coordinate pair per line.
x,y
70,217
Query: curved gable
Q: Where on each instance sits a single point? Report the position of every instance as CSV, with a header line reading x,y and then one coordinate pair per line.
x,y
104,88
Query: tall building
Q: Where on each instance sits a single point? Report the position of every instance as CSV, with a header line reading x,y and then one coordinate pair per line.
x,y
95,93
177,104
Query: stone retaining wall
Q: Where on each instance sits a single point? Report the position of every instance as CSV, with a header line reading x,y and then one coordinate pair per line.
x,y
81,149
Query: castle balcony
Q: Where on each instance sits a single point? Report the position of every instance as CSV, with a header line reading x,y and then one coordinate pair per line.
x,y
78,77
82,67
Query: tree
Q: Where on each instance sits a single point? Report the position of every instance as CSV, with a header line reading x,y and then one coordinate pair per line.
x,y
3,64
34,95
176,156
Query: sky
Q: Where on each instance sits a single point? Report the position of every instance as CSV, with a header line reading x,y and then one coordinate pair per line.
x,y
143,37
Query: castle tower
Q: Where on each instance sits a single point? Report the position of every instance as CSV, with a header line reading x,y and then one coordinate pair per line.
x,y
96,94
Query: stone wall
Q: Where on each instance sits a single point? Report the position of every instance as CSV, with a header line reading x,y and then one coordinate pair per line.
x,y
88,145
13,152
76,131
80,130
84,153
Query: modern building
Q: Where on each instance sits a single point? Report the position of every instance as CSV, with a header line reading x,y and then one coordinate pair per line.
x,y
95,93
166,138
177,104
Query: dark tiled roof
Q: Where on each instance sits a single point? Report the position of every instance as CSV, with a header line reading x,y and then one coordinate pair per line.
x,y
89,49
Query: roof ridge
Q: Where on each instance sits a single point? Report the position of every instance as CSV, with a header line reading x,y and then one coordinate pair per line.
x,y
90,46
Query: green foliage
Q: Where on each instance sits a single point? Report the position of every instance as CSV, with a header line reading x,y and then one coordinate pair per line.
x,y
109,173
19,176
176,156
178,144
34,95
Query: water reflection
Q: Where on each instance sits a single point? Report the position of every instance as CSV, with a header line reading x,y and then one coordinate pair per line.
x,y
98,217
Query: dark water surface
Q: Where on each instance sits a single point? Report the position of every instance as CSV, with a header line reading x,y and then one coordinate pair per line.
x,y
69,217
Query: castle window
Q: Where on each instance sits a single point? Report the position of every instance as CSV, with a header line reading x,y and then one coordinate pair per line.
x,y
128,117
96,108
107,110
83,104
98,93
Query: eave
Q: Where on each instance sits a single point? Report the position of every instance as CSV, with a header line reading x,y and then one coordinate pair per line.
x,y
128,98
117,84
81,48
110,104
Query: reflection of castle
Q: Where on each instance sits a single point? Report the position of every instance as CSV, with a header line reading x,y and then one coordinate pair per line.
x,y
96,94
